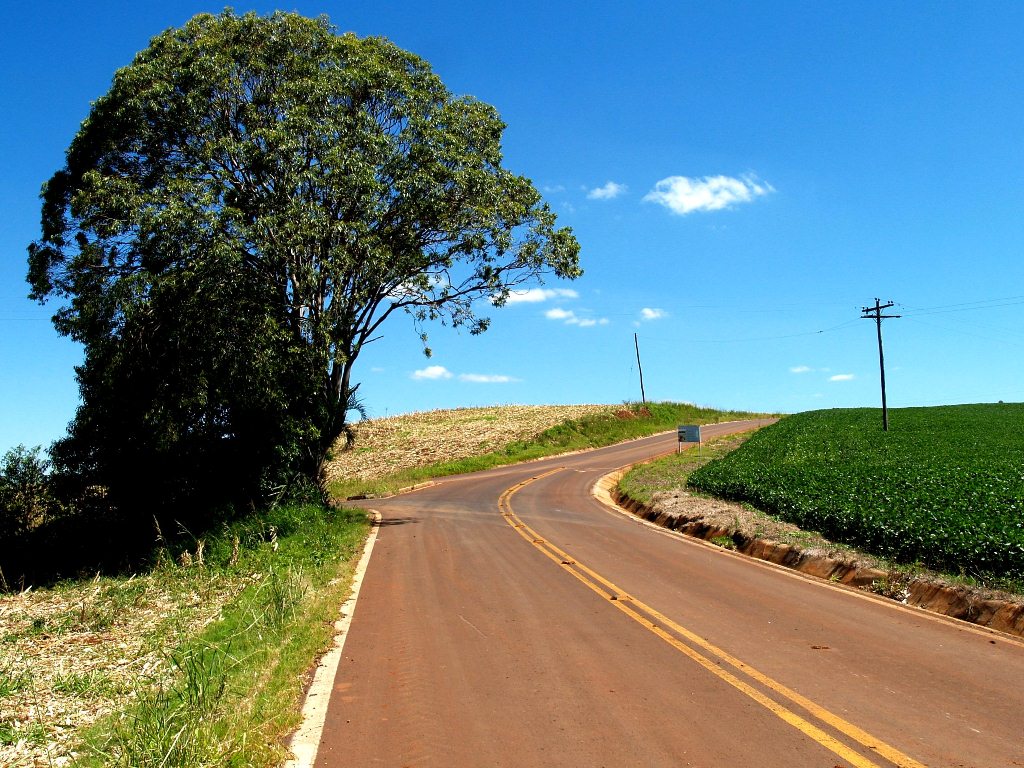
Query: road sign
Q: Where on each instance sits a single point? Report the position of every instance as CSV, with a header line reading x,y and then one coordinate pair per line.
x,y
689,434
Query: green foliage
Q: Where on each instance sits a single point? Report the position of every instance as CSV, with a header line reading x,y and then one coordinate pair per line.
x,y
944,487
33,733
25,497
166,726
90,684
237,217
12,681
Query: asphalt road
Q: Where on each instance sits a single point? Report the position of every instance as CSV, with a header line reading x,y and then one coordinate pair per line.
x,y
507,618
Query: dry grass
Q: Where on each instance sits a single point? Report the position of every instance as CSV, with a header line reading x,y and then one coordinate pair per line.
x,y
72,654
384,446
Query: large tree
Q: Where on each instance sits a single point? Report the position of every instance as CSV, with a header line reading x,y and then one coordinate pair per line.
x,y
238,216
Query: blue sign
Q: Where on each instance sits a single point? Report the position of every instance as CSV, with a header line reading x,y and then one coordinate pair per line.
x,y
689,434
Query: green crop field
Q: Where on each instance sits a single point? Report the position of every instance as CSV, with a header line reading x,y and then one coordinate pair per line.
x,y
944,487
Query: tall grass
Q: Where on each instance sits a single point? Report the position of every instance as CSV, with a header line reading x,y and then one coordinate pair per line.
x,y
229,696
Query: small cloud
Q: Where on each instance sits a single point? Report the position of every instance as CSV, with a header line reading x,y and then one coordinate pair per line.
x,y
557,313
650,313
551,189
481,378
609,191
537,295
570,318
842,377
683,194
432,373
800,369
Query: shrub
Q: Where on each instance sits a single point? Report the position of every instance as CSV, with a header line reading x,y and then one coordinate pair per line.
x,y
25,498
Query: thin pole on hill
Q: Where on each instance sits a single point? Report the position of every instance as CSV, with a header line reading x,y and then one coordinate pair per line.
x,y
643,395
875,313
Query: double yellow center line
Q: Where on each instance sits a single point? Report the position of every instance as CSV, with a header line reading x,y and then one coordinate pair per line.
x,y
710,657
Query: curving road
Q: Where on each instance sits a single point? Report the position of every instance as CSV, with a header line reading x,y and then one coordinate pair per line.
x,y
507,618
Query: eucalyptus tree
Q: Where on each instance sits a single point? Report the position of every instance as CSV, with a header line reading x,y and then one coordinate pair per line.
x,y
237,217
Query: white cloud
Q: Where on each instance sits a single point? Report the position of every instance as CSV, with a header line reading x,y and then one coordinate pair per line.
x,y
537,295
482,378
800,369
683,194
439,372
557,313
842,377
570,318
550,189
432,373
651,313
609,191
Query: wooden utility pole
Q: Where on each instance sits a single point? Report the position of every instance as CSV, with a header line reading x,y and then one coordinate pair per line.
x,y
643,395
875,313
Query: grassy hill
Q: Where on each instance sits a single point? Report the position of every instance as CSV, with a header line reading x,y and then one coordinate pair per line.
x,y
403,450
944,487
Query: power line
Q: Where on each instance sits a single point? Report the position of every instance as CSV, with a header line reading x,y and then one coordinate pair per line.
x,y
954,329
966,306
755,338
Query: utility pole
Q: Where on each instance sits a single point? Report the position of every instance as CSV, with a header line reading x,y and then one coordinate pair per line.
x,y
875,313
643,396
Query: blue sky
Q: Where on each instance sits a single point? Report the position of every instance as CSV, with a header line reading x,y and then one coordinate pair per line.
x,y
742,178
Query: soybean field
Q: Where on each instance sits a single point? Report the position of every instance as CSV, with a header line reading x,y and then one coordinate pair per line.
x,y
943,488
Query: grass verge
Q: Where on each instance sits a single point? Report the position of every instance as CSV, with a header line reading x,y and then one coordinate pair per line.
x,y
593,431
645,481
209,649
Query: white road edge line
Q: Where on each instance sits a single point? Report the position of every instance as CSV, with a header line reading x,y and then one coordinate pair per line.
x,y
305,742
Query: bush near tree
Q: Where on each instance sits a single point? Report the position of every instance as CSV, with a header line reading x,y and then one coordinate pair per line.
x,y
25,498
